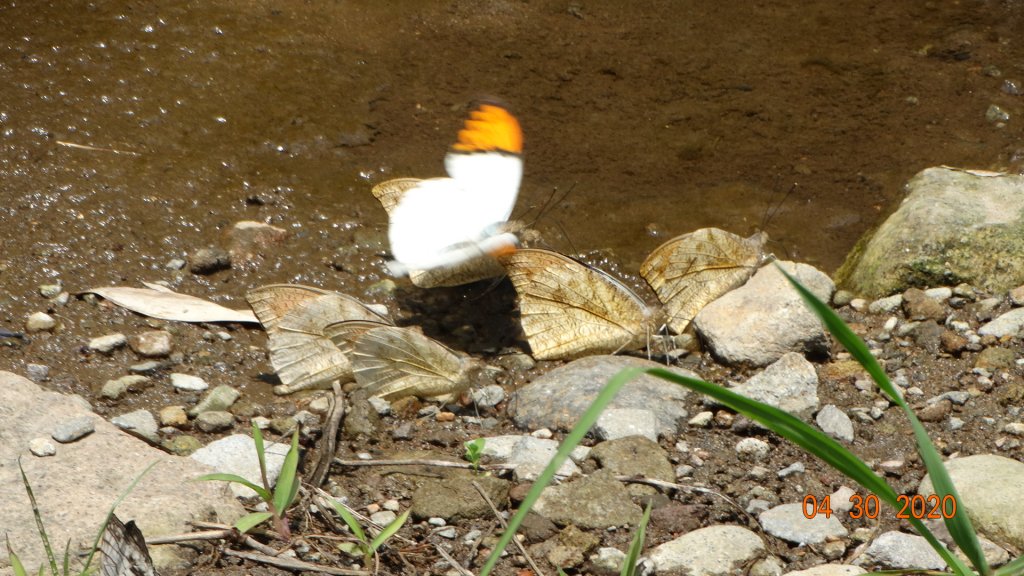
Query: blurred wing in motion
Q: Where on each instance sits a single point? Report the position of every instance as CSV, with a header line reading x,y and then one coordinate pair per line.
x,y
124,550
568,309
691,270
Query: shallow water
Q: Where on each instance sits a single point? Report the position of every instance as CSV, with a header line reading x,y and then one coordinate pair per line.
x,y
658,119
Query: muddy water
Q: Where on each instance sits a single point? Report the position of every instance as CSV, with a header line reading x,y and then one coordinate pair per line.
x,y
660,118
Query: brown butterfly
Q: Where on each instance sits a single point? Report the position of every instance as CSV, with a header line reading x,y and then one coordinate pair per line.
x,y
295,318
124,550
569,309
690,271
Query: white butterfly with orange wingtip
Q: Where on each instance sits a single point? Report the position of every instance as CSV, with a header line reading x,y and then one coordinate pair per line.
x,y
445,223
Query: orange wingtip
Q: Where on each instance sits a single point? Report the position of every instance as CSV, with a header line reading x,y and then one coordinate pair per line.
x,y
490,128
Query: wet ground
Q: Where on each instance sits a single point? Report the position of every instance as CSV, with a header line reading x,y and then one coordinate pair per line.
x,y
132,134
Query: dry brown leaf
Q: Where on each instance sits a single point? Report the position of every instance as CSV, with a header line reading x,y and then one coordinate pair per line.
x,y
167,305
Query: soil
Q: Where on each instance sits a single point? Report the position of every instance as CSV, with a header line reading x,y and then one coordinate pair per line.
x,y
133,134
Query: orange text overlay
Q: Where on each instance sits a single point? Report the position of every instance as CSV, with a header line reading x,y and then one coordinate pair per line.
x,y
917,506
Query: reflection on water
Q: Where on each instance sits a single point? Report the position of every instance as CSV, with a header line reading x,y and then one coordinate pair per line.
x,y
661,120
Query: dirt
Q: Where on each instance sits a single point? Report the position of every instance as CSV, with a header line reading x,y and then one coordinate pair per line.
x,y
133,134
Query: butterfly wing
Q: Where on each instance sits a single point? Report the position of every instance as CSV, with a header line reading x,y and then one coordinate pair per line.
x,y
691,270
124,550
568,309
302,355
390,192
270,303
393,362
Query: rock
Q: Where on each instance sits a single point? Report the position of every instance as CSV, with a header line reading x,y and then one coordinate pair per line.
x,y
607,561
568,549
764,319
789,384
896,550
138,423
215,421
635,455
383,518
37,372
995,359
188,382
622,422
1008,324
753,449
720,550
151,344
173,416
953,226
918,306
576,384
107,344
115,389
489,396
886,305
42,447
74,428
95,469
787,521
528,456
236,454
361,419
209,260
217,400
40,322
829,570
597,501
182,445
455,498
991,493
835,423
249,239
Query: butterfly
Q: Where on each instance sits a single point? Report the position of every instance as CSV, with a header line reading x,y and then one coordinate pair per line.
x,y
443,224
691,270
295,318
569,309
124,550
393,362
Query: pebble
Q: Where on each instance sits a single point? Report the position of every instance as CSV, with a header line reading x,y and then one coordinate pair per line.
x,y
835,423
147,366
488,396
1008,324
1015,428
954,423
209,260
607,561
788,522
794,468
842,298
448,532
40,322
108,343
753,449
152,344
392,505
941,293
896,550
702,419
188,382
173,416
437,521
543,434
528,455
184,445
596,501
73,429
175,264
859,304
320,405
217,400
140,423
996,114
886,305
383,518
49,290
115,389
37,372
42,447
215,421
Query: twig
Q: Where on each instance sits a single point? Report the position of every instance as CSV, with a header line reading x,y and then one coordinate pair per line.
x,y
215,532
293,564
471,553
504,526
414,462
458,567
96,148
330,438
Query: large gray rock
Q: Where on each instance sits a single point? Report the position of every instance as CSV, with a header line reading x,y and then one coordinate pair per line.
x,y
557,399
790,384
991,489
954,226
764,319
720,550
75,487
597,501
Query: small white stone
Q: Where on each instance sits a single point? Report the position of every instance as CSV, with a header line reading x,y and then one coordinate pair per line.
x,y
753,448
188,382
1015,428
42,447
543,434
40,322
701,419
107,343
391,505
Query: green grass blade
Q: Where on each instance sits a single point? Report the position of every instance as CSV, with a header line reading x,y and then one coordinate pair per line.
x,y
1014,568
637,546
261,491
251,520
39,520
287,481
959,526
110,512
19,569
257,438
586,421
350,521
67,558
389,530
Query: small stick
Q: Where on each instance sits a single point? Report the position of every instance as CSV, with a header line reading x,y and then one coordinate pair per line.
x,y
414,462
215,532
96,149
458,567
323,466
293,564
504,526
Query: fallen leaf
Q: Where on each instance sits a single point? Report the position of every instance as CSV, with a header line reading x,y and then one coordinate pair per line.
x,y
167,305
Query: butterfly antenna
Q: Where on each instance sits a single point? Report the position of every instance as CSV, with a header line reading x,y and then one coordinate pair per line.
x,y
773,210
